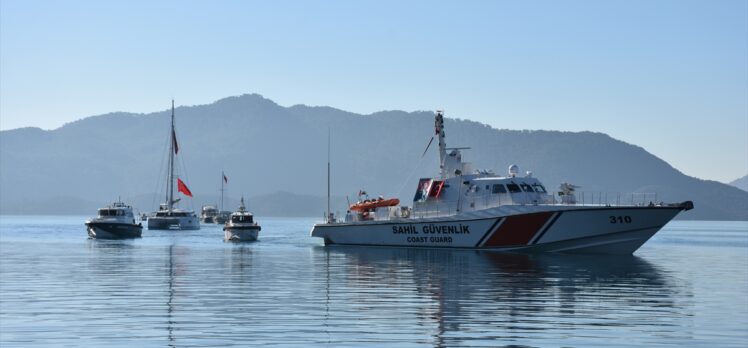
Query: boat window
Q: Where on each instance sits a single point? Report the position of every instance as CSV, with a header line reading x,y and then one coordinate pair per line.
x,y
422,192
241,218
539,188
526,187
110,212
513,188
499,188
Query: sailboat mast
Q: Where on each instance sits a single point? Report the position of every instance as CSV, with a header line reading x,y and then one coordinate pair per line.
x,y
222,180
170,200
329,216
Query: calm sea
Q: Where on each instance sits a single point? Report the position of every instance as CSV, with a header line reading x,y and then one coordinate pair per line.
x,y
688,286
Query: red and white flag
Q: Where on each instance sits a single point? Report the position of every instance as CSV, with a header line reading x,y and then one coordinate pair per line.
x,y
181,187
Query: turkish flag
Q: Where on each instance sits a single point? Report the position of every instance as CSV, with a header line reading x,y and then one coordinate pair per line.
x,y
181,187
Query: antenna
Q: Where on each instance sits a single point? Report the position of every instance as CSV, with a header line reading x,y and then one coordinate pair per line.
x,y
439,130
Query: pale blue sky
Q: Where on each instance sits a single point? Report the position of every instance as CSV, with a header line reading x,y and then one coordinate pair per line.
x,y
670,76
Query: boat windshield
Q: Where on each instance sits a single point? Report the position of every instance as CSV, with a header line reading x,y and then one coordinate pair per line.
x,y
241,218
513,188
111,212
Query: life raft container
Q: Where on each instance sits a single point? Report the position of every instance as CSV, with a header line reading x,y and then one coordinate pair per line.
x,y
366,206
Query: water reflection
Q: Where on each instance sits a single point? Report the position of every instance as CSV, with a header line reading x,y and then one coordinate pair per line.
x,y
497,296
191,289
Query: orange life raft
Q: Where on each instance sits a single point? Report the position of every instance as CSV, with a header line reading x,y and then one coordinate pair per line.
x,y
373,204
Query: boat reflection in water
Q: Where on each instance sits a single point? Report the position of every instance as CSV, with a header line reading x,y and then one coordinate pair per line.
x,y
480,296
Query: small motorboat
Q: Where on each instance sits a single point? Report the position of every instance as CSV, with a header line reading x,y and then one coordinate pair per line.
x,y
115,221
241,226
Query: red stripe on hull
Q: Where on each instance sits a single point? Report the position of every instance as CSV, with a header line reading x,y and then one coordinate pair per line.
x,y
518,229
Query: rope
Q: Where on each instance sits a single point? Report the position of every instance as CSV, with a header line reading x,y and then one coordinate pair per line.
x,y
417,166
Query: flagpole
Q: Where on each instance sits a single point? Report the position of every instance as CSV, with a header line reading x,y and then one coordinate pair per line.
x,y
222,180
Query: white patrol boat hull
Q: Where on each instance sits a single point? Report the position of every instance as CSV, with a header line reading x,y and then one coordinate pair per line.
x,y
547,228
241,234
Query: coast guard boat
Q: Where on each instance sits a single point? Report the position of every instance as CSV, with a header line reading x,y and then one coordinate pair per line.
x,y
466,208
113,222
241,226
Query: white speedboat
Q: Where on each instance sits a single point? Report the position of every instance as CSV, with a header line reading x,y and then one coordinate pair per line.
x,y
241,226
168,217
466,208
114,222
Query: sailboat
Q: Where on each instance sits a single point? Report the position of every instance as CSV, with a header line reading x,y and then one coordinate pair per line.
x,y
168,217
223,215
210,214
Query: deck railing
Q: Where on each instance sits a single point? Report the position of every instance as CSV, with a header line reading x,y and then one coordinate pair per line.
x,y
583,198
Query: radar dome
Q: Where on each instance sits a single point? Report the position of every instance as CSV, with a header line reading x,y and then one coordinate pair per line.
x,y
513,170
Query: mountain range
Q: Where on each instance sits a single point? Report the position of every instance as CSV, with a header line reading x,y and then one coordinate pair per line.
x,y
277,157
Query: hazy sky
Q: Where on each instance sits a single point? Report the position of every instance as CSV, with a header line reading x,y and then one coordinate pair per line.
x,y
669,76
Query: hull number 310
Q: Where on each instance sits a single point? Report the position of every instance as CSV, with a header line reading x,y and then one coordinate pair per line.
x,y
620,219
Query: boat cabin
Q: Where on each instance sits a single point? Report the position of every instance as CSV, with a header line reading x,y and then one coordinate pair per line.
x,y
477,190
459,188
209,211
116,209
242,218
